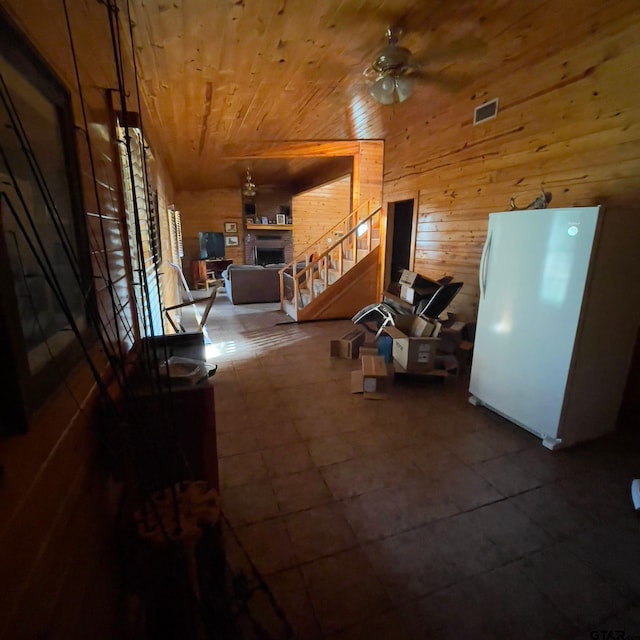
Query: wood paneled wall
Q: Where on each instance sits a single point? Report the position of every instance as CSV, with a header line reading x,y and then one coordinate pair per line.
x,y
367,171
208,211
317,210
568,119
329,170
58,566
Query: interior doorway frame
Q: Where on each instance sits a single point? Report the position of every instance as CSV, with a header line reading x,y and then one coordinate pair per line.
x,y
388,249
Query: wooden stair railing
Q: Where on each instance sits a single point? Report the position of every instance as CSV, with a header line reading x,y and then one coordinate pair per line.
x,y
350,241
337,231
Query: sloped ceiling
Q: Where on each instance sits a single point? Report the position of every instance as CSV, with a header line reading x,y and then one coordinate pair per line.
x,y
219,80
221,76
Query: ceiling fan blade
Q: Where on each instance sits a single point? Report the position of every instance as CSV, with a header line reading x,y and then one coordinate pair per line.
x,y
467,46
447,81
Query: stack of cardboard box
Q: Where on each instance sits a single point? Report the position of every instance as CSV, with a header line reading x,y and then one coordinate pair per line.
x,y
415,343
414,287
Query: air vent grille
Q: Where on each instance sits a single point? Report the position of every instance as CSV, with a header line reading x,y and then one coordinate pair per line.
x,y
486,111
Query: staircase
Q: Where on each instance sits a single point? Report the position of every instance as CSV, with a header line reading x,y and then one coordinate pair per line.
x,y
336,275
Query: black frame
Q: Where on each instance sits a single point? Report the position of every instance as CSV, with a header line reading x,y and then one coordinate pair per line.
x,y
21,393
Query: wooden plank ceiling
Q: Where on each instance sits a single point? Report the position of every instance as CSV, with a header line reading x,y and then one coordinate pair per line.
x,y
224,82
220,77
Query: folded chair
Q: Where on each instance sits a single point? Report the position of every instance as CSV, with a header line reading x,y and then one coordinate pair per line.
x,y
441,299
183,290
380,314
201,320
383,315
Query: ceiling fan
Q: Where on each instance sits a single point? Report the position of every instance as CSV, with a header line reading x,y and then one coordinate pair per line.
x,y
391,73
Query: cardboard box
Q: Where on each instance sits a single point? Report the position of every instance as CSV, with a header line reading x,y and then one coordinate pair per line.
x,y
415,280
413,354
404,322
447,362
415,326
349,345
451,336
435,374
415,295
408,277
407,293
372,380
368,350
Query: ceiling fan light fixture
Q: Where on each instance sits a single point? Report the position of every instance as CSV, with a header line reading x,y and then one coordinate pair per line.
x,y
248,188
389,89
390,72
393,57
404,87
382,90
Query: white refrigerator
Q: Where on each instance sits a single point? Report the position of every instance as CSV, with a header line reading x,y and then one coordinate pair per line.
x,y
557,321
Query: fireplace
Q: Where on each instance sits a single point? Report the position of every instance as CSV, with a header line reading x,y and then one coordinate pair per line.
x,y
269,256
268,247
268,250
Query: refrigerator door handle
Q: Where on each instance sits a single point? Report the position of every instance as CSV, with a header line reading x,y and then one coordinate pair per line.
x,y
483,265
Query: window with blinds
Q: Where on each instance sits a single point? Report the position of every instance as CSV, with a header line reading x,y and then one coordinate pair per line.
x,y
175,232
144,232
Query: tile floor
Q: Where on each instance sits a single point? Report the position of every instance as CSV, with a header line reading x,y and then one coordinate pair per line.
x,y
419,516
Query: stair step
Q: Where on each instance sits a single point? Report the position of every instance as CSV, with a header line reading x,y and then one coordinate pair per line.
x,y
345,252
289,309
334,275
318,288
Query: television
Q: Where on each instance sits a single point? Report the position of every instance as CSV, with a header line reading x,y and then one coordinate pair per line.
x,y
211,245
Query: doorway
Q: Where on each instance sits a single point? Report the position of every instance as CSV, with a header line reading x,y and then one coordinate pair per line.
x,y
400,220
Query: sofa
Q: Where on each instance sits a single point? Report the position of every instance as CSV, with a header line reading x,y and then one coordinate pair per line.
x,y
246,283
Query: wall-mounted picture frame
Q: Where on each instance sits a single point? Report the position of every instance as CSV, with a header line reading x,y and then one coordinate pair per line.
x,y
230,227
231,241
280,218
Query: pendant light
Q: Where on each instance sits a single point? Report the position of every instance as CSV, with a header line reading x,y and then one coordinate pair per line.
x,y
248,188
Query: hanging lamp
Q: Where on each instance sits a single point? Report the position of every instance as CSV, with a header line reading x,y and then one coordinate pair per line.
x,y
248,188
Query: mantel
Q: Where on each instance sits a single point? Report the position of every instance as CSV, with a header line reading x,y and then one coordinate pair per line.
x,y
270,227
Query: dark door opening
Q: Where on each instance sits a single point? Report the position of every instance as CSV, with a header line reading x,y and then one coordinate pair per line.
x,y
402,234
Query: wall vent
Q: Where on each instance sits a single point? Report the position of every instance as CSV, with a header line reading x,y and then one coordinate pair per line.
x,y
486,111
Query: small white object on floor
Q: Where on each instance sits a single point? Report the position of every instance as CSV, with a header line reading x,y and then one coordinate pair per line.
x,y
185,369
635,493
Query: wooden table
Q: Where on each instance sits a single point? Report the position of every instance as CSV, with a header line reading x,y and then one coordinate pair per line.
x,y
206,272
